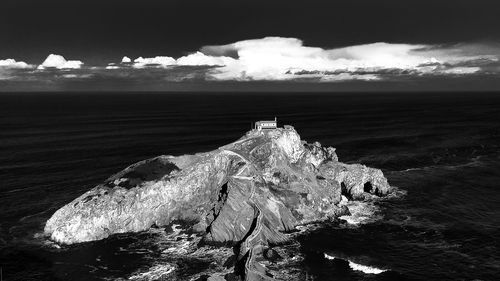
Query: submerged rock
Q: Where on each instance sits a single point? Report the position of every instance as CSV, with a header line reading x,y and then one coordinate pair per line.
x,y
246,194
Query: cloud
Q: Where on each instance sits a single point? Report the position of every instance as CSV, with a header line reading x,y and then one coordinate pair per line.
x,y
194,59
200,58
159,61
278,58
59,62
462,70
112,66
13,64
126,59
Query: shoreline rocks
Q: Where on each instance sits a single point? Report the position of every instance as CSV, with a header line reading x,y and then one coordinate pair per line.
x,y
247,194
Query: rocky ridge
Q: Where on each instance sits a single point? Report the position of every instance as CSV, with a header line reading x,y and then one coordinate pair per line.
x,y
247,194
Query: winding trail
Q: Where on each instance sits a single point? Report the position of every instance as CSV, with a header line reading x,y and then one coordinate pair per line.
x,y
242,169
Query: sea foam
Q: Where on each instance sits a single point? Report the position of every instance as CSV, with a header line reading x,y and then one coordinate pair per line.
x,y
362,212
358,267
365,269
155,272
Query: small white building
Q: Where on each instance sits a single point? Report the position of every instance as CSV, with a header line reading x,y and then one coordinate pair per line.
x,y
266,125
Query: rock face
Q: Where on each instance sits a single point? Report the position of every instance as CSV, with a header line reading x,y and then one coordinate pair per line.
x,y
247,194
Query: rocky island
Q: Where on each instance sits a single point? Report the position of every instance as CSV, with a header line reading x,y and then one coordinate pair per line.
x,y
247,195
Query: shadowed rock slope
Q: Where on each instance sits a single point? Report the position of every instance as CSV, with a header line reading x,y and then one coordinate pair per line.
x,y
246,194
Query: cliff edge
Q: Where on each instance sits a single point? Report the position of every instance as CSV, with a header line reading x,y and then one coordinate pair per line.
x,y
246,194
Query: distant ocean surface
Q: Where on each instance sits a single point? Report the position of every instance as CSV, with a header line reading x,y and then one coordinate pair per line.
x,y
440,149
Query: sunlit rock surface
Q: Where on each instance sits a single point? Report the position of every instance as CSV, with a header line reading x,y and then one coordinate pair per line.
x,y
246,194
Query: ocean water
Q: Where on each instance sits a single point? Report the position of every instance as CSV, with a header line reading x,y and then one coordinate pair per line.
x,y
440,149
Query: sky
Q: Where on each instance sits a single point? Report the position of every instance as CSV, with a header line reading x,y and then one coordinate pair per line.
x,y
156,45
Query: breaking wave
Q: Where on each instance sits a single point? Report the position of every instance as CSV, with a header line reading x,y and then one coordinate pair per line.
x,y
358,267
365,269
175,254
472,162
367,210
156,272
362,212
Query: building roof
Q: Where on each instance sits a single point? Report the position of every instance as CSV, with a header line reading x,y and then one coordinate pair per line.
x,y
267,121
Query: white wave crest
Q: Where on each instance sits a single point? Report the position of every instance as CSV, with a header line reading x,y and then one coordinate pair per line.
x,y
359,267
365,269
155,272
328,257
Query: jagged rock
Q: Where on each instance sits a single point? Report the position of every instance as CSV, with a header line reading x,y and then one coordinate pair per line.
x,y
216,278
247,194
271,255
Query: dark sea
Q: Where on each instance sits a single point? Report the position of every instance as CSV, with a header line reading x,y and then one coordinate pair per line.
x,y
441,150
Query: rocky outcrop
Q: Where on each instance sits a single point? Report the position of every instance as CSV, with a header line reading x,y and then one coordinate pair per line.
x,y
246,194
